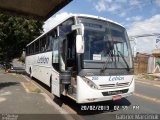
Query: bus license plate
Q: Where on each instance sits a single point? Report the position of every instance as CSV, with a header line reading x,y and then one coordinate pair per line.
x,y
117,97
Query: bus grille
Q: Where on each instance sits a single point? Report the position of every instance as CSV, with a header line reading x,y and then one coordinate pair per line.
x,y
108,93
117,85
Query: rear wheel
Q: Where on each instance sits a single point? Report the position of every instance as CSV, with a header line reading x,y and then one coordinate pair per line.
x,y
51,84
30,73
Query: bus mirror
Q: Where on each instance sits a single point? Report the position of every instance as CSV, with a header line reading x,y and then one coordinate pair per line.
x,y
79,44
80,27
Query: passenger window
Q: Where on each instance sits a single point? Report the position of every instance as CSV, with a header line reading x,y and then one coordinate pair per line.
x,y
31,48
55,55
27,50
37,46
55,52
49,44
43,44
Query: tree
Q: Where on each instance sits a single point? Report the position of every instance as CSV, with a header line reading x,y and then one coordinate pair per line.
x,y
15,33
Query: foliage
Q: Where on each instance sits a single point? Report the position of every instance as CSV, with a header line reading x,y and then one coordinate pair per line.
x,y
15,33
149,77
22,59
158,62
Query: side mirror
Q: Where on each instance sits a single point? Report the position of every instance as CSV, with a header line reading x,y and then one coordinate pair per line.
x,y
78,27
79,44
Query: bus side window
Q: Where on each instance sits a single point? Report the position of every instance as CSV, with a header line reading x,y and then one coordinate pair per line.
x,y
37,46
55,55
42,44
27,50
49,43
31,48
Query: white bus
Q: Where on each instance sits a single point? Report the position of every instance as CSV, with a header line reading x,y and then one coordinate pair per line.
x,y
84,57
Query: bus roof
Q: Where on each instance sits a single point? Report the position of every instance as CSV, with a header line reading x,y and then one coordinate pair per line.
x,y
76,15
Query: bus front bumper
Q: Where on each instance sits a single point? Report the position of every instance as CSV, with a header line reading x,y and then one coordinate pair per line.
x,y
85,94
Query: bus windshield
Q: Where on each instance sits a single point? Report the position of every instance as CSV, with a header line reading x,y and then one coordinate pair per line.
x,y
106,44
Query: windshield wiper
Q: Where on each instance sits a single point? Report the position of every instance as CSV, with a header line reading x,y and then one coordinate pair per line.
x,y
105,63
128,69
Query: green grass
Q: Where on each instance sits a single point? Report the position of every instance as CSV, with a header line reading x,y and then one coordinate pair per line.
x,y
36,90
148,77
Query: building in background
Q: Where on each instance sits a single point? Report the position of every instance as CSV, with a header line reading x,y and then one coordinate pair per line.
x,y
145,43
146,51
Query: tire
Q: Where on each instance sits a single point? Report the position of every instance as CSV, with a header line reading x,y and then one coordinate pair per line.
x,y
30,73
50,84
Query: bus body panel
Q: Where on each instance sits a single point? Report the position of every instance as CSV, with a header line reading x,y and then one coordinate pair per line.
x,y
86,94
104,82
41,66
55,83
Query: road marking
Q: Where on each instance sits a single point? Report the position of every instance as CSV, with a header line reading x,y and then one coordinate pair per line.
x,y
5,93
156,85
26,89
29,80
147,97
26,78
2,99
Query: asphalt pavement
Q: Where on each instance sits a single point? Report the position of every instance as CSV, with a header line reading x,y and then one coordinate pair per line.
x,y
148,90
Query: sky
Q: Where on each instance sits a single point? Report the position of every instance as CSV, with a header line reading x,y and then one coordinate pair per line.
x,y
137,16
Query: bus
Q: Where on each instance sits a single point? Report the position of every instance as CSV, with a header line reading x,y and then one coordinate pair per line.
x,y
87,58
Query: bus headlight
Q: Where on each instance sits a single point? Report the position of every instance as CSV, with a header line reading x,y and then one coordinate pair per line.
x,y
90,83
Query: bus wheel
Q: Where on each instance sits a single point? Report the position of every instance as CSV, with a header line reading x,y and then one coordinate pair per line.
x,y
51,84
30,73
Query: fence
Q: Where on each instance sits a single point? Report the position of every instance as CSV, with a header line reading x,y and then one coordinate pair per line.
x,y
141,63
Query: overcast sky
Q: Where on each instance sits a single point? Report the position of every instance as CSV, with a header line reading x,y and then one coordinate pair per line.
x,y
138,16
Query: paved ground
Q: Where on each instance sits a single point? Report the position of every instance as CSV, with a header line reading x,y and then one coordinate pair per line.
x,y
15,100
148,90
145,100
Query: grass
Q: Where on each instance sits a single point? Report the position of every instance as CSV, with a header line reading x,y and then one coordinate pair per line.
x,y
147,77
36,90
32,88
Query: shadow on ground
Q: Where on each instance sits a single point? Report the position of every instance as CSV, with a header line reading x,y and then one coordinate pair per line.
x,y
8,84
